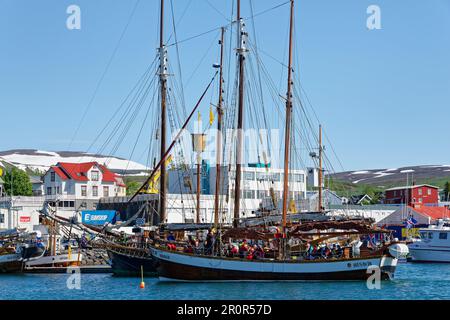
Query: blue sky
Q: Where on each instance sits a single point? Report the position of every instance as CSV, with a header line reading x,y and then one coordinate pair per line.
x,y
382,95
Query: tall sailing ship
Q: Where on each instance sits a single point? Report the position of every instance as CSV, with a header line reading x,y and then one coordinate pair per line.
x,y
280,250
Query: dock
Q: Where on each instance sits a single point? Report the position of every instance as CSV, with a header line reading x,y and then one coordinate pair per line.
x,y
83,269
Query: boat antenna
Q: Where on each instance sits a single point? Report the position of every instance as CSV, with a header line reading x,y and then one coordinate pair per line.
x,y
241,50
163,86
219,133
288,121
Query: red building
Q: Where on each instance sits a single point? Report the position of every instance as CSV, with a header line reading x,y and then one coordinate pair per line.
x,y
414,196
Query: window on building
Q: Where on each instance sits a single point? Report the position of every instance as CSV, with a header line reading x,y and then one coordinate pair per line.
x,y
58,190
429,192
420,191
94,175
249,176
430,235
261,176
106,191
71,204
443,235
52,176
94,191
395,193
249,194
49,191
261,194
2,218
83,191
420,200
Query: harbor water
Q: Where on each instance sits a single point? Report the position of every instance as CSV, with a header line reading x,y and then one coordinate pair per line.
x,y
412,281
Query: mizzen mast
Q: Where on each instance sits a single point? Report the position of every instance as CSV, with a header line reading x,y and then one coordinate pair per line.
x,y
163,86
288,121
241,50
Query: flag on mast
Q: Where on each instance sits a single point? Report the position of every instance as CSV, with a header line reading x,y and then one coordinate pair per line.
x,y
211,116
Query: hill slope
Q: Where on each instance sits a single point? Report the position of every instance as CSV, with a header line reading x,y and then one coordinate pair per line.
x,y
385,178
38,160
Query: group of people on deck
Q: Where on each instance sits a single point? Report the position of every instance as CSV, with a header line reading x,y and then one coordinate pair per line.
x,y
323,251
245,250
201,244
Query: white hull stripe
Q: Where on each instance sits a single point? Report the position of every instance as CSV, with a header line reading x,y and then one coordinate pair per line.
x,y
277,267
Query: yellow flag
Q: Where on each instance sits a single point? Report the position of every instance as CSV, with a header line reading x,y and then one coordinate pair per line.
x,y
292,207
1,171
211,116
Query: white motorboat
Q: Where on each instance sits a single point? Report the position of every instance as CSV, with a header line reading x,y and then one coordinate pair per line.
x,y
433,244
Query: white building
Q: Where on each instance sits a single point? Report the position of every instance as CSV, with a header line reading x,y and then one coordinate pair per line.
x,y
256,183
80,185
20,212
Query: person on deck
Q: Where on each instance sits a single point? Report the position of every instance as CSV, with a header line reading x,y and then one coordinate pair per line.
x,y
171,237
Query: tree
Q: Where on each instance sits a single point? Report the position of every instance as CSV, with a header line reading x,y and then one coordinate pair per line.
x,y
17,183
132,187
447,191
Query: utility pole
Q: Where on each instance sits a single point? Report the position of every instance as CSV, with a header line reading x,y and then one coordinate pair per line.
x,y
320,169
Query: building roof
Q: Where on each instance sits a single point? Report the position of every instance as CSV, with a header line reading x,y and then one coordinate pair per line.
x,y
35,179
78,171
412,187
357,199
433,212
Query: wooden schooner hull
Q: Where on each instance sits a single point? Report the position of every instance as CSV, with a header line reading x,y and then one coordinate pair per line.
x,y
174,266
127,264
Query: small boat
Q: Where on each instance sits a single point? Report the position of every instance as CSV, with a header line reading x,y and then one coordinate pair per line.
x,y
52,253
433,244
129,261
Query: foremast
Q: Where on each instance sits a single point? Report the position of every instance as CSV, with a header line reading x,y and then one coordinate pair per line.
x,y
163,87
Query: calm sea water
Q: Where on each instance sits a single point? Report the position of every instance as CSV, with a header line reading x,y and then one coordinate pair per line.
x,y
412,281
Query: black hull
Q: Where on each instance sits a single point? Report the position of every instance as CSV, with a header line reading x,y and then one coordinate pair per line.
x,y
31,252
126,265
11,267
173,271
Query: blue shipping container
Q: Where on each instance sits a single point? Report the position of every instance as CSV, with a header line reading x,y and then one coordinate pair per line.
x,y
98,217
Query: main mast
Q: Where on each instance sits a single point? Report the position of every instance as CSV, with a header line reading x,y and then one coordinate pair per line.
x,y
288,121
163,83
219,134
241,52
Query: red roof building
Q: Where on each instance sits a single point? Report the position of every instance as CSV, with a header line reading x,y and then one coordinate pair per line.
x,y
88,180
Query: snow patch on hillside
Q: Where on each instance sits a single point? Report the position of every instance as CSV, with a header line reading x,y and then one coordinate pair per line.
x,y
43,160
